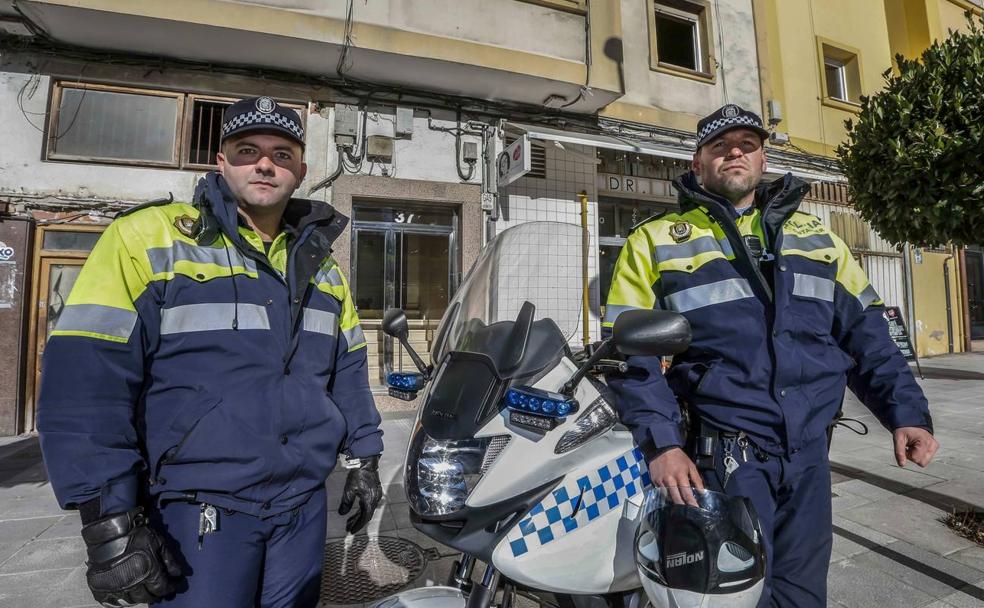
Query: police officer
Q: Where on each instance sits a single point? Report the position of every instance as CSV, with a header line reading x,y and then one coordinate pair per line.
x,y
206,373
783,318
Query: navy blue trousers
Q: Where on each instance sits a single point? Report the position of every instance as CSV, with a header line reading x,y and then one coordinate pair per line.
x,y
249,562
792,499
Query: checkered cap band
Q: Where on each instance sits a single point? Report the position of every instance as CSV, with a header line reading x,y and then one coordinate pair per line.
x,y
742,120
251,119
575,505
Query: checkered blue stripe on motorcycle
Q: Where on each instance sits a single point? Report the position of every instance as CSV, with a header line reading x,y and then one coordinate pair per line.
x,y
574,506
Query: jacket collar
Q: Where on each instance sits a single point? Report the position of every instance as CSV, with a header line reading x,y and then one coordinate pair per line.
x,y
782,196
214,198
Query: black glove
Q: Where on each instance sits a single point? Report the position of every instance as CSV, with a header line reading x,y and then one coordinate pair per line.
x,y
362,484
128,563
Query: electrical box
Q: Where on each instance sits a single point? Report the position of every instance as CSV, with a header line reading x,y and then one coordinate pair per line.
x,y
404,123
778,138
346,124
775,111
488,201
379,148
469,152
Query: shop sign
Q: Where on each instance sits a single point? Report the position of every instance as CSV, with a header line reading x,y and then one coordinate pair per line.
x,y
627,184
515,161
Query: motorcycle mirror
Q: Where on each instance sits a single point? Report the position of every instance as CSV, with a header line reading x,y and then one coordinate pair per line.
x,y
395,324
651,333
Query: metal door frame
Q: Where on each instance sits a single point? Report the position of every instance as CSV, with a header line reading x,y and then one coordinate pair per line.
x,y
390,270
979,254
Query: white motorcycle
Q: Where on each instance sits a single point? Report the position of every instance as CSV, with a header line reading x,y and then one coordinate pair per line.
x,y
517,458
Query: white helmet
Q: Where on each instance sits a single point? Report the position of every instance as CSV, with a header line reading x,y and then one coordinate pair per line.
x,y
708,553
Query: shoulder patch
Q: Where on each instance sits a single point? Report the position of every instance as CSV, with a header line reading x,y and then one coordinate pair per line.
x,y
157,202
651,218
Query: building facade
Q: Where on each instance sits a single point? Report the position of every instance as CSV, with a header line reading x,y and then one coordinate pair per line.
x,y
407,107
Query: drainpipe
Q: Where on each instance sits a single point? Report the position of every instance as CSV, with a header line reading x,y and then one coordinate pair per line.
x,y
910,299
946,290
585,243
964,287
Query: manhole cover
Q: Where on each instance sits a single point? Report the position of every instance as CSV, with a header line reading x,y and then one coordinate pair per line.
x,y
365,568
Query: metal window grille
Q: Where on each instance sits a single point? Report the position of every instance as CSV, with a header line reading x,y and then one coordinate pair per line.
x,y
206,130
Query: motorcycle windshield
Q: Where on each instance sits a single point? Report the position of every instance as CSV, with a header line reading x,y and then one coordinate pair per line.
x,y
536,263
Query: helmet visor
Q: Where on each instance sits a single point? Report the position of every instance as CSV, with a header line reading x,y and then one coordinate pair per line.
x,y
699,540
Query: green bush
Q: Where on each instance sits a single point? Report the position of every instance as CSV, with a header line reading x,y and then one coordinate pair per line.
x,y
915,158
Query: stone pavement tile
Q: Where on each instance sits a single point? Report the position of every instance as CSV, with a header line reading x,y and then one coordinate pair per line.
x,y
926,571
69,526
909,520
972,556
861,586
970,597
843,500
17,533
25,529
28,500
968,488
25,590
845,547
886,468
73,591
46,555
860,487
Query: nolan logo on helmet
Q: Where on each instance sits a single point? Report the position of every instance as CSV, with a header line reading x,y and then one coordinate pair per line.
x,y
682,559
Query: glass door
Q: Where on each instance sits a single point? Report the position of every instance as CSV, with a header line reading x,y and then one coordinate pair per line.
x,y
57,276
404,257
975,292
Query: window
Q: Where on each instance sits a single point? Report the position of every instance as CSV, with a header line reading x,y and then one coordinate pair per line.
x,y
204,128
96,123
678,38
615,219
841,74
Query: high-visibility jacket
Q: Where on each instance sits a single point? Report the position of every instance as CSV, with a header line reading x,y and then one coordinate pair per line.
x,y
204,367
770,358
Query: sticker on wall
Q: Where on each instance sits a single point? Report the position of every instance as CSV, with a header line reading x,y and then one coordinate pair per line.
x,y
8,282
6,253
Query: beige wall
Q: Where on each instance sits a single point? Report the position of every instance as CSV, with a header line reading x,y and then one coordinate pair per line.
x,y
506,23
678,101
788,47
929,292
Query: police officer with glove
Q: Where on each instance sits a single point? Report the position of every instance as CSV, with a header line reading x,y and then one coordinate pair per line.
x,y
783,319
206,373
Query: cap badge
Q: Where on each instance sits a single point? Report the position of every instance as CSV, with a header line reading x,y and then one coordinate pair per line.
x,y
680,231
731,111
265,105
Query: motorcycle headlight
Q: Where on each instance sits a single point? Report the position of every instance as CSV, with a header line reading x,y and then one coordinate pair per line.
x,y
440,474
598,418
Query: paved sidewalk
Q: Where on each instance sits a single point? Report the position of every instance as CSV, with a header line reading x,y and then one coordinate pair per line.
x,y
890,549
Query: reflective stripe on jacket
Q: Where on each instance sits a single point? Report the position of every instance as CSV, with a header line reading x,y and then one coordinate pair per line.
x,y
770,358
212,368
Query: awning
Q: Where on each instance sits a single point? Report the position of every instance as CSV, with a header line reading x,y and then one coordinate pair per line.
x,y
612,142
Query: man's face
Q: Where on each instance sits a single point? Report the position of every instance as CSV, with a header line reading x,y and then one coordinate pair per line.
x,y
262,169
731,165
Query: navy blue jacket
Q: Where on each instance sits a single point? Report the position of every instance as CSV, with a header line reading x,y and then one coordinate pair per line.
x,y
203,366
771,358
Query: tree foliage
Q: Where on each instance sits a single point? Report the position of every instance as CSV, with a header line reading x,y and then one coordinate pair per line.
x,y
915,158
